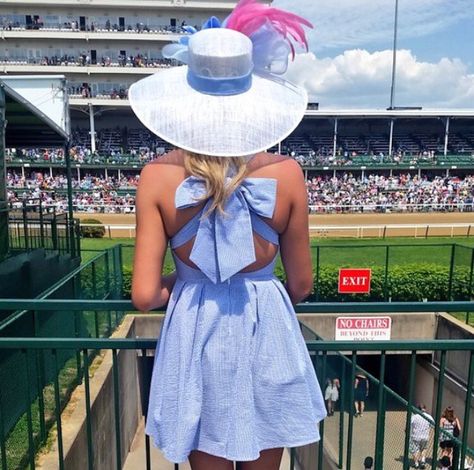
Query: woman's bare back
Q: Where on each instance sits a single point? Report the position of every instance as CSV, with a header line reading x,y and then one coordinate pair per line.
x,y
158,220
171,172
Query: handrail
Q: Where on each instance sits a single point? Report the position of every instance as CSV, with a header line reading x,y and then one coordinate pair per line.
x,y
20,308
309,307
150,343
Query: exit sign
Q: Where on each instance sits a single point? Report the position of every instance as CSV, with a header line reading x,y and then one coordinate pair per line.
x,y
354,281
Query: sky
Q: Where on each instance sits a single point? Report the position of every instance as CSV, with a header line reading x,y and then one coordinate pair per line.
x,y
349,63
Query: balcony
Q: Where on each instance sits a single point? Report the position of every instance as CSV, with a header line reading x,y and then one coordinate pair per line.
x,y
94,349
158,34
210,5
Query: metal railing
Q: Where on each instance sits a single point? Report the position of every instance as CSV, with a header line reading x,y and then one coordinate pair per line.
x,y
452,162
37,225
49,376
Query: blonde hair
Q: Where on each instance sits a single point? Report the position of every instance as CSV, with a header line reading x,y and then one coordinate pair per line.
x,y
214,170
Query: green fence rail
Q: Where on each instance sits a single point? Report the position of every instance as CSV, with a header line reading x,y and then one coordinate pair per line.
x,y
401,272
360,162
34,226
48,368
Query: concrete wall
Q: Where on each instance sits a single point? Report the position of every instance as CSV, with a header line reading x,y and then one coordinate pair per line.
x,y
450,328
414,326
454,394
457,364
102,413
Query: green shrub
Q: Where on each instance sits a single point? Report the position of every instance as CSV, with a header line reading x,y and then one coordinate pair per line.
x,y
92,232
410,282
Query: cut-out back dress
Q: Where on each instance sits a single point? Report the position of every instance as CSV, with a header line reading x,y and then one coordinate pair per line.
x,y
232,375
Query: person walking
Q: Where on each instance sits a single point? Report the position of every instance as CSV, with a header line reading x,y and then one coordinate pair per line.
x,y
450,427
331,394
420,429
361,392
232,377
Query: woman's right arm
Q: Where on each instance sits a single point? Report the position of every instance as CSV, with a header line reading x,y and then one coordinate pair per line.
x,y
294,241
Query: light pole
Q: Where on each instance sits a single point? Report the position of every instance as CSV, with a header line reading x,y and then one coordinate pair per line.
x,y
394,61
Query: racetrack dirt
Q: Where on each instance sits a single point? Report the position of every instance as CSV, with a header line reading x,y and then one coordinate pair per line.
x,y
324,225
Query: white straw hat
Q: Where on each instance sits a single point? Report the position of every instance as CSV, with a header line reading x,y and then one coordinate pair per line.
x,y
222,103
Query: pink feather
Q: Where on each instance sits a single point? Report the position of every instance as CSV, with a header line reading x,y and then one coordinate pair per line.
x,y
250,15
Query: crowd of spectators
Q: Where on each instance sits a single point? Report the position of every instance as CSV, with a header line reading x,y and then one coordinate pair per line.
x,y
347,158
142,153
83,155
84,91
46,182
400,193
342,193
85,60
8,23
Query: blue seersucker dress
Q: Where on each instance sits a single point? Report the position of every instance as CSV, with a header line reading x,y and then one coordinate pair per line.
x,y
232,375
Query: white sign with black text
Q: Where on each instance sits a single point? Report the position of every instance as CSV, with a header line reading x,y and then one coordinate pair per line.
x,y
363,328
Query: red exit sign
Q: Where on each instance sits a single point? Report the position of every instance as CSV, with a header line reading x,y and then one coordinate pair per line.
x,y
354,281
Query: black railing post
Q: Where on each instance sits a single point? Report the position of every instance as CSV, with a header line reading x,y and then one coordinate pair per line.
x,y
380,429
439,401
467,409
341,414
54,233
25,227
385,282
351,412
317,272
3,450
471,276
411,389
451,272
41,224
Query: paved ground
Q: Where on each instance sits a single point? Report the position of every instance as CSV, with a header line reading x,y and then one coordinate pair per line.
x,y
363,438
136,457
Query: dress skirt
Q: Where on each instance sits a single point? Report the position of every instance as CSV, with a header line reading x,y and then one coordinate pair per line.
x,y
232,375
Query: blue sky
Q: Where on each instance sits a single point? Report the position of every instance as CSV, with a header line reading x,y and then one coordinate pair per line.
x,y
350,52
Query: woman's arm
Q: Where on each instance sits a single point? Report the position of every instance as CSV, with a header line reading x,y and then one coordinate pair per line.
x,y
149,289
294,241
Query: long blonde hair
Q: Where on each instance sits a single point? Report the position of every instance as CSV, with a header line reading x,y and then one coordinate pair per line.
x,y
214,170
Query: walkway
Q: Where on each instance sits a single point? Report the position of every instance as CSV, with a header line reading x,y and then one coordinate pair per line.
x,y
363,438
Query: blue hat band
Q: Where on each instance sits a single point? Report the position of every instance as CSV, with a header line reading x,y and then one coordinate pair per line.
x,y
219,86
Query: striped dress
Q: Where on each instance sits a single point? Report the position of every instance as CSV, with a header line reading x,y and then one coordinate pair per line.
x,y
232,375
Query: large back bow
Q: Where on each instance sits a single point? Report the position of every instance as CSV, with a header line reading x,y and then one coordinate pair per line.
x,y
224,242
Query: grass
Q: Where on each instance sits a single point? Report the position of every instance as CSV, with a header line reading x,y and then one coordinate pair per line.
x,y
337,251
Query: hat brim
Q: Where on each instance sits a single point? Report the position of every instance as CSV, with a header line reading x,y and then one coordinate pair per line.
x,y
223,126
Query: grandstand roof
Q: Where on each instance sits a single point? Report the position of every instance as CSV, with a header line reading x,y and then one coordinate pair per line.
x,y
36,111
389,113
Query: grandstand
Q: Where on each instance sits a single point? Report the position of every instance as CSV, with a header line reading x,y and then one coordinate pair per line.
x,y
428,166
101,52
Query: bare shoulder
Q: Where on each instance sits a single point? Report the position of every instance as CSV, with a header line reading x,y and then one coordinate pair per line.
x,y
167,165
277,166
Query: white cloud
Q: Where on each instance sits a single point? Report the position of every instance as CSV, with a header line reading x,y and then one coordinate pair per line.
x,y
360,23
358,78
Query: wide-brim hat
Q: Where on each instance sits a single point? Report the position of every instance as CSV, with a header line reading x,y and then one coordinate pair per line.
x,y
226,101
224,126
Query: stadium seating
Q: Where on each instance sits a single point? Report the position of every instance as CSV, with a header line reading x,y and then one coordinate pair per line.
x,y
342,193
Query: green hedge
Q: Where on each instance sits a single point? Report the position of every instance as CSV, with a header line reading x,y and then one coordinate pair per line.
x,y
410,282
92,232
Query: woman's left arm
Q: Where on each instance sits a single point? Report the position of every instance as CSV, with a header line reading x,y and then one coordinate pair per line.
x,y
149,289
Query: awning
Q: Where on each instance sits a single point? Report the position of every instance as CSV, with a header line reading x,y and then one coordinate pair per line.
x,y
37,111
